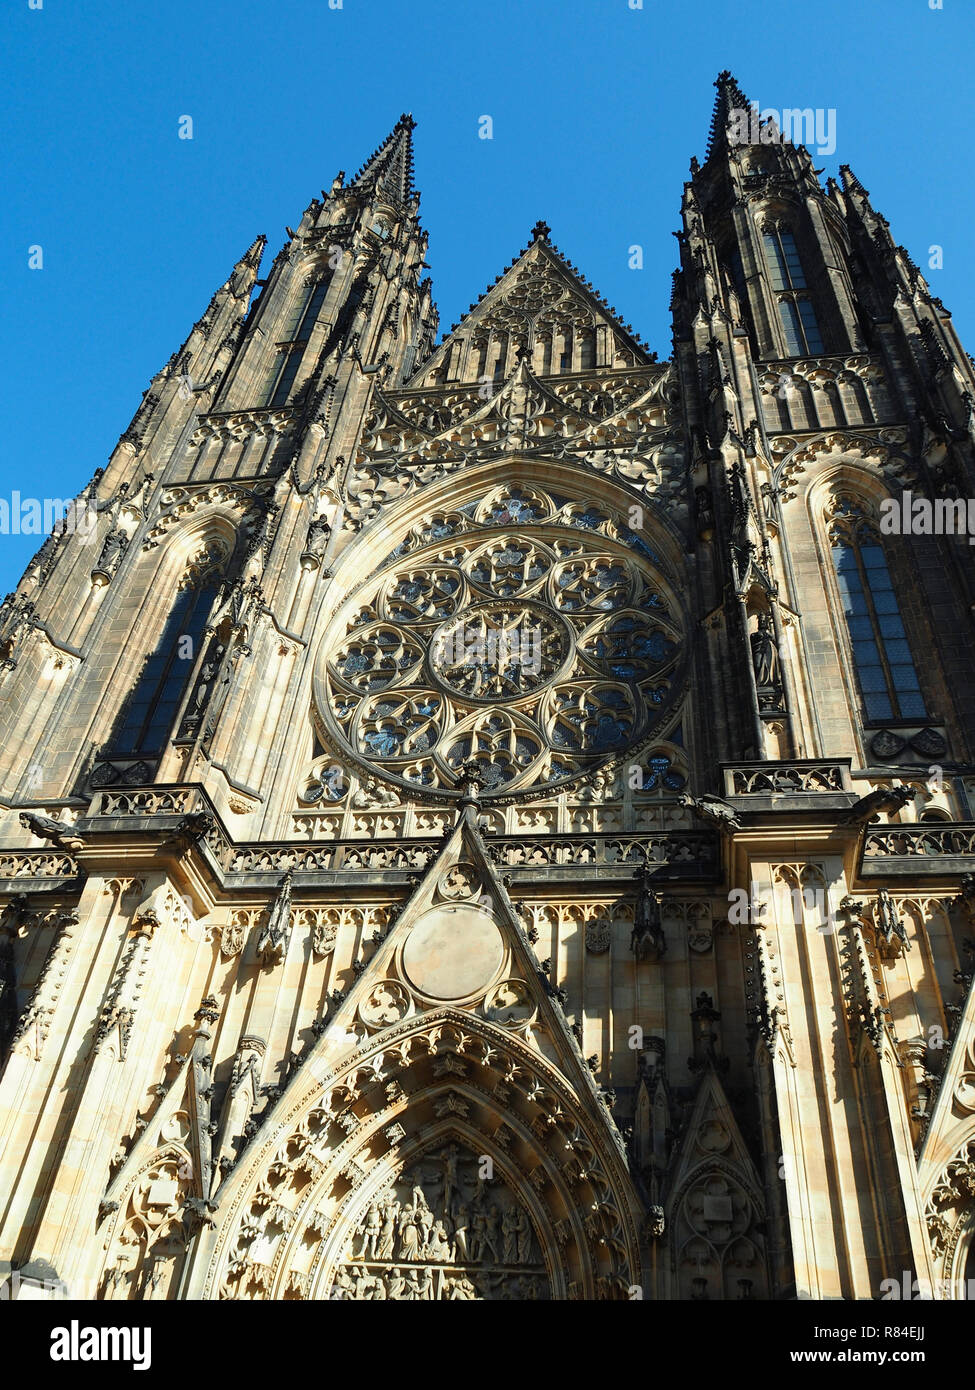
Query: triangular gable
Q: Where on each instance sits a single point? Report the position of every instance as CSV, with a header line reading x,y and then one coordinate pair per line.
x,y
712,1137
458,921
450,1048
540,292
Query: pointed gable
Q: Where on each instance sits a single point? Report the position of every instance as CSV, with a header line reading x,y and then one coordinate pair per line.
x,y
447,1088
540,309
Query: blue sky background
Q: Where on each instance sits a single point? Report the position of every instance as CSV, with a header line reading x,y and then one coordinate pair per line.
x,y
597,109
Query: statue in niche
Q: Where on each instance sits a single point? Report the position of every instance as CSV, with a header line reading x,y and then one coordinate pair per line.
x,y
647,937
370,1235
765,654
112,551
387,1234
449,1176
509,1233
461,1221
409,1236
207,675
316,541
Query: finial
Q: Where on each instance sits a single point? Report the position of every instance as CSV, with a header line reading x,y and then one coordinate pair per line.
x,y
541,231
471,782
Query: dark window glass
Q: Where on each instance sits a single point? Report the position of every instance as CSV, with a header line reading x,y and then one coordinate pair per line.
x,y
800,326
881,654
802,335
151,708
785,266
296,332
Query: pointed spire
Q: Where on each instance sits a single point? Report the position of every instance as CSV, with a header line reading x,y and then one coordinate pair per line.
x,y
389,170
851,184
252,256
241,279
730,98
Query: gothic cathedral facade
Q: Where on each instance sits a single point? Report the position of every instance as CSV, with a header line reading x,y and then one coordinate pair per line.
x,y
494,819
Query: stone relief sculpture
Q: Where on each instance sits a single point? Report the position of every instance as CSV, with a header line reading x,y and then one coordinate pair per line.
x,y
442,1231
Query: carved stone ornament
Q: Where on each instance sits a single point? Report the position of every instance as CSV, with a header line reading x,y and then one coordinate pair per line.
x,y
509,1003
234,933
599,933
461,881
440,1232
388,1002
700,937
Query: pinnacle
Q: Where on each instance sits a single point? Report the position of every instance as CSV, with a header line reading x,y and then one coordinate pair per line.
x,y
851,183
730,98
389,169
252,255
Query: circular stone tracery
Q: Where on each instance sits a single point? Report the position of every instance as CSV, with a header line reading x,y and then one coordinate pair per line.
x,y
539,656
500,651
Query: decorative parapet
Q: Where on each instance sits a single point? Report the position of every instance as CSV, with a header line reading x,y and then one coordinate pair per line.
x,y
777,783
185,815
943,849
170,801
681,850
38,863
184,812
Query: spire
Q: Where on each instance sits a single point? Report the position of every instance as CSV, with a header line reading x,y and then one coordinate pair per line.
x,y
252,256
730,98
851,184
235,290
389,170
244,274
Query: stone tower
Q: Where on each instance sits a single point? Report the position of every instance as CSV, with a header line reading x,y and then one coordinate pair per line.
x,y
492,819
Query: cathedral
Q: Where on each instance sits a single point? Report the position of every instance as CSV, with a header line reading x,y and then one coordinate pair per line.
x,y
489,816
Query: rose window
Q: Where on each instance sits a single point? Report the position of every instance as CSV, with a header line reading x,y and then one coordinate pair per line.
x,y
540,653
500,651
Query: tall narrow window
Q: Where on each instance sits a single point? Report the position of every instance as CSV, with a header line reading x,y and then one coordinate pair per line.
x,y
151,709
783,258
297,330
881,655
796,313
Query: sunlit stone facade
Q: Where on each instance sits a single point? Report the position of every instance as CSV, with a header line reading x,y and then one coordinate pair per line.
x,y
493,820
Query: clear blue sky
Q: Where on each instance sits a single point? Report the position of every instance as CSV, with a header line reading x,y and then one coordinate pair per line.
x,y
597,109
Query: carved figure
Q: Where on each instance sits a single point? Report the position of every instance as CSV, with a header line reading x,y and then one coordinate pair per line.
x,y
765,654
885,800
647,937
713,809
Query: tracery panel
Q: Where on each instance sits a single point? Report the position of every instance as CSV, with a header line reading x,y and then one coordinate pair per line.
x,y
540,654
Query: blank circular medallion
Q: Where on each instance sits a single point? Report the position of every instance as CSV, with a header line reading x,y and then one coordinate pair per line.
x,y
453,952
